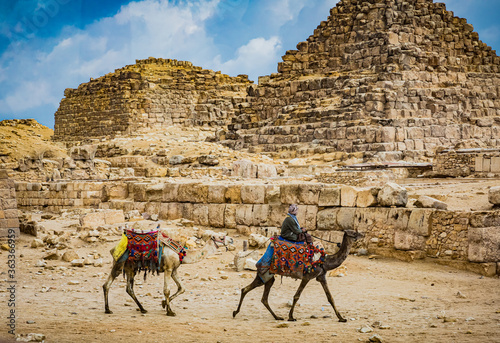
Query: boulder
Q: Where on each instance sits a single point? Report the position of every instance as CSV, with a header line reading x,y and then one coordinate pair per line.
x,y
51,255
494,195
245,169
392,194
425,201
70,255
241,257
209,160
256,240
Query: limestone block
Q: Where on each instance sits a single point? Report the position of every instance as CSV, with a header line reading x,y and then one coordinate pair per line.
x,y
329,196
307,216
192,192
253,194
266,171
244,215
83,152
187,211
300,194
139,191
114,216
404,240
370,219
260,215
420,222
93,219
216,215
486,165
484,244
155,192
345,218
495,164
216,194
392,194
170,192
230,216
367,197
327,219
233,194
170,211
398,218
200,214
116,191
425,201
272,195
348,196
277,214
494,195
245,169
478,162
152,208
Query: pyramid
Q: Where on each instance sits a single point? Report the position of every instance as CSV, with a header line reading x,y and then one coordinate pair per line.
x,y
392,79
150,95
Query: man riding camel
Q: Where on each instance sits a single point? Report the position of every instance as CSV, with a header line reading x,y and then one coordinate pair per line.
x,y
291,230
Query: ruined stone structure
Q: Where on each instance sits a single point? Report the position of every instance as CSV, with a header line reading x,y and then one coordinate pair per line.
x,y
8,205
468,162
150,94
393,77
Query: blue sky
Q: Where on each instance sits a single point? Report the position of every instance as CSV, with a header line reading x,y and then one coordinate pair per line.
x,y
47,46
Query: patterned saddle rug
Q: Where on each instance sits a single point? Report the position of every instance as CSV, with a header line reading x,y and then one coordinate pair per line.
x,y
174,245
295,259
143,250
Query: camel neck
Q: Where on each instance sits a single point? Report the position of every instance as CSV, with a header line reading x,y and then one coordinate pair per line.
x,y
335,260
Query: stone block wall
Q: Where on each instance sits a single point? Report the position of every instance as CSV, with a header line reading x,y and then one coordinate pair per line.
x,y
149,95
466,239
467,162
8,205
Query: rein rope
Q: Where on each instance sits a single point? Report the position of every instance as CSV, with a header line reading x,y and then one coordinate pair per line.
x,y
326,240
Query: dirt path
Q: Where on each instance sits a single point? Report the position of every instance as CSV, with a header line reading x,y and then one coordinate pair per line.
x,y
401,302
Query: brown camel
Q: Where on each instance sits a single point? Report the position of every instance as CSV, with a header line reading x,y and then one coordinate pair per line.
x,y
331,262
168,265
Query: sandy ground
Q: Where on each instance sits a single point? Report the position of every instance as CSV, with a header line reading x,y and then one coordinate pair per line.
x,y
401,302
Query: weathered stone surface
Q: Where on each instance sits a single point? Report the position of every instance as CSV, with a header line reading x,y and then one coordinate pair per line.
x,y
216,194
233,194
69,256
392,194
420,222
216,215
245,169
425,201
405,240
94,219
327,219
494,195
114,217
200,214
345,218
484,244
192,192
300,194
329,196
253,194
266,171
367,197
348,196
208,160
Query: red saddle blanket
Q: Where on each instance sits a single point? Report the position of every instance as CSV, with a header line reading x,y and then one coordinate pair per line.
x,y
293,259
143,249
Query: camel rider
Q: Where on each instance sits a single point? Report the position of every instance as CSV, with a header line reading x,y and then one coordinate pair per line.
x,y
291,230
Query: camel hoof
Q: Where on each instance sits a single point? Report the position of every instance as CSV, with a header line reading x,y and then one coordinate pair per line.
x,y
292,319
342,320
280,318
144,311
171,314
234,313
108,312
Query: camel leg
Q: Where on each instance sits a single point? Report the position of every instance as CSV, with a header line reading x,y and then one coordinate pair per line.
x,y
130,288
180,289
257,282
296,298
322,280
166,302
115,271
267,288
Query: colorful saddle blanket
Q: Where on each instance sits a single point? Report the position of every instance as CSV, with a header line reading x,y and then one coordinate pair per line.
x,y
174,245
295,259
143,250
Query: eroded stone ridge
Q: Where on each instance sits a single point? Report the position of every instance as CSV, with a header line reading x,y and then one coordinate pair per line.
x,y
151,94
8,205
393,76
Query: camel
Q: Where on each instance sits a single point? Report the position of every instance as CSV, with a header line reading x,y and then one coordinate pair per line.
x,y
331,262
169,264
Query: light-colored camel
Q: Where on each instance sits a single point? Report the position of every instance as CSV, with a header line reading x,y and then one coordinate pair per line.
x,y
331,262
169,264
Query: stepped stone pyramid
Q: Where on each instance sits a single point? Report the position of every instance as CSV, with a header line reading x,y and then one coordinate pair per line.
x,y
390,78
149,95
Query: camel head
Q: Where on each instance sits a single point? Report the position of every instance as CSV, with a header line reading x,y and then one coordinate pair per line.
x,y
221,240
354,234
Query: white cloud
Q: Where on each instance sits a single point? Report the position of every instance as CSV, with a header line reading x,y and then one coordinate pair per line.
x,y
259,54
